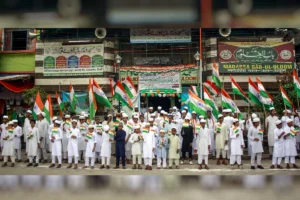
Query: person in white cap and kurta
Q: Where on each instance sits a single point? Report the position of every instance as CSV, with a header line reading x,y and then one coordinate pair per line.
x,y
109,121
221,139
203,142
148,114
49,131
278,152
136,140
128,128
90,139
290,149
3,130
255,138
26,126
237,144
174,148
176,113
98,129
65,126
249,124
8,145
43,127
56,136
83,128
287,114
17,140
297,125
148,146
161,149
73,141
107,139
271,126
188,114
210,123
33,142
228,120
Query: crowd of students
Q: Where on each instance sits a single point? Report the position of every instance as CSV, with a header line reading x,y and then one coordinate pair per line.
x,y
165,136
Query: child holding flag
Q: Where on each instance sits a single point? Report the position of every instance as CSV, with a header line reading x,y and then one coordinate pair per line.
x,y
290,150
73,140
107,139
99,130
221,139
174,148
33,142
83,127
237,144
136,149
90,139
56,136
148,147
66,128
161,150
8,145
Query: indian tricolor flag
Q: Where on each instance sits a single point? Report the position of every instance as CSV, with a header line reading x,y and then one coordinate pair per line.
x,y
92,101
210,101
112,85
54,130
266,98
253,94
216,76
212,88
73,99
48,108
38,105
129,125
236,89
129,88
166,119
293,132
60,104
100,95
120,94
296,82
145,130
111,134
196,104
195,90
236,130
287,102
198,127
89,136
227,102
260,132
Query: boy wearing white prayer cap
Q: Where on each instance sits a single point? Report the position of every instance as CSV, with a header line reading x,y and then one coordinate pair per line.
x,y
278,153
2,131
83,128
43,127
65,126
174,148
237,144
74,139
26,126
221,136
290,149
17,140
203,141
91,141
107,139
271,126
136,140
8,145
148,146
56,136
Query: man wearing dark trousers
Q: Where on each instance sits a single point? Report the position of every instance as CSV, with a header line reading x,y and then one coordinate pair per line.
x,y
120,146
187,136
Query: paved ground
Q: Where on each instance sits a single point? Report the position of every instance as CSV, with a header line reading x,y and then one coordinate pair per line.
x,y
186,169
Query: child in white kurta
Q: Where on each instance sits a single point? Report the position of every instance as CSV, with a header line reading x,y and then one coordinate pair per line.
x,y
107,139
255,137
174,148
33,143
56,136
203,139
136,149
221,135
73,140
148,147
90,139
161,150
8,145
290,149
2,130
17,140
98,130
66,128
237,144
278,152
83,127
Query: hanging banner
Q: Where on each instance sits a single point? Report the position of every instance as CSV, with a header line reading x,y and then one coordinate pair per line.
x,y
188,73
73,60
256,57
160,35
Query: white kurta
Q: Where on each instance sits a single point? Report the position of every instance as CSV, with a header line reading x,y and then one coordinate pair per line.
x,y
66,128
8,145
222,136
91,141
26,126
203,139
136,148
290,143
148,145
3,127
33,142
56,145
271,127
297,124
98,128
256,146
236,142
43,127
211,127
128,134
283,120
106,145
278,143
83,130
174,145
73,142
17,138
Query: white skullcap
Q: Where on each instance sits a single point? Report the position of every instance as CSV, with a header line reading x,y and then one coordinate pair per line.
x,y
224,110
278,122
5,117
208,109
147,124
29,111
44,114
136,116
202,121
81,117
109,115
136,127
165,113
152,115
201,117
106,128
183,111
15,121
289,120
57,122
91,126
288,111
124,115
256,119
194,112
272,108
54,118
159,107
151,120
162,131
186,108
136,107
150,108
235,120
174,108
242,121
174,127
253,115
82,113
74,120
187,118
229,110
86,115
220,115
67,116
10,123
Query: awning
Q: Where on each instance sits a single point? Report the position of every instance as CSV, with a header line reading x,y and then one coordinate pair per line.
x,y
5,77
15,83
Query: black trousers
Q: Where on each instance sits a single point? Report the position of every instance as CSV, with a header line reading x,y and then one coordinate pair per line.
x,y
118,157
187,150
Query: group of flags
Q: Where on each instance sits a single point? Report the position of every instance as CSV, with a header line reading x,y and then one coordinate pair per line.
x,y
257,94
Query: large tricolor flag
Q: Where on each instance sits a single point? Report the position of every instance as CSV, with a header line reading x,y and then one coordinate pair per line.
x,y
92,101
129,88
266,98
100,95
216,76
211,87
73,99
227,102
296,82
286,101
60,105
196,104
120,94
210,101
112,85
38,105
236,89
195,90
253,93
48,109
